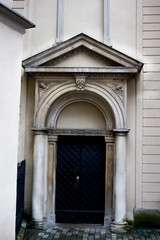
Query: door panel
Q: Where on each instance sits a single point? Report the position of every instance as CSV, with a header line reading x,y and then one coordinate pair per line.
x,y
80,179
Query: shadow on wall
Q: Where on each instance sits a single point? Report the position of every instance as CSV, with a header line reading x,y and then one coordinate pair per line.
x,y
146,218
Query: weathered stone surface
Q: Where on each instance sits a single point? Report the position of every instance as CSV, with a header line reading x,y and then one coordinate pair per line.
x,y
147,218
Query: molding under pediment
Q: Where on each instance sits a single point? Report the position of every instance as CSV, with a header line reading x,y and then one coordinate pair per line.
x,y
79,70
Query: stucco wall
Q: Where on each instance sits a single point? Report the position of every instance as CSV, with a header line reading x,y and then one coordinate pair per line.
x,y
9,124
82,16
123,26
9,3
81,115
44,15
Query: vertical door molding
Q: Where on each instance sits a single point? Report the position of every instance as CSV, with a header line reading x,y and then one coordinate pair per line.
x,y
108,212
51,177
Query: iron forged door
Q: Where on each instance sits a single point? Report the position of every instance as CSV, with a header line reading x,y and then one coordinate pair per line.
x,y
80,180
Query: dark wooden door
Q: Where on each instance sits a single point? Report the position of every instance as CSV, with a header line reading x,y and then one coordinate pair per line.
x,y
80,180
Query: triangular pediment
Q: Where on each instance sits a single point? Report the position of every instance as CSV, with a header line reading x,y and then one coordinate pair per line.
x,y
84,52
80,57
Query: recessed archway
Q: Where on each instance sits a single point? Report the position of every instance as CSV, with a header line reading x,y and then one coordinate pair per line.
x,y
81,115
84,103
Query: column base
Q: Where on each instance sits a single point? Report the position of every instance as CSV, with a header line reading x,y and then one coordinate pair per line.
x,y
39,224
119,227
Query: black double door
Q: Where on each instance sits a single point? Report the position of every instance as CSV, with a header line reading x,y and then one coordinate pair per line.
x,y
80,180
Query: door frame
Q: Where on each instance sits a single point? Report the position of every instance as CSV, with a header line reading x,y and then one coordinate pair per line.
x,y
109,170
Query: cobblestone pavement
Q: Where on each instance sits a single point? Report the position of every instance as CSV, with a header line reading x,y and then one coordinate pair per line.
x,y
89,233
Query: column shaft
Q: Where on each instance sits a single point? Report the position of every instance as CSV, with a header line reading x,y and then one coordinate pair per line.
x,y
120,180
38,177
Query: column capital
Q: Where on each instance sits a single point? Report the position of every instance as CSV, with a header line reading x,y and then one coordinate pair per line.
x,y
109,139
121,131
52,139
40,131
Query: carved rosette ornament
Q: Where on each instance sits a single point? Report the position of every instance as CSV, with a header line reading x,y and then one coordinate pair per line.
x,y
43,87
80,82
117,88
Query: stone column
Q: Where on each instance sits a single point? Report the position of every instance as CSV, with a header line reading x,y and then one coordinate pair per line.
x,y
52,156
120,181
109,180
38,177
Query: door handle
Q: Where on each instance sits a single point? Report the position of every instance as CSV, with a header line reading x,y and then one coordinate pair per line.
x,y
77,179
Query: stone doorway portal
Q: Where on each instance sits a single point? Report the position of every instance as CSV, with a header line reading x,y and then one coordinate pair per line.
x,y
63,88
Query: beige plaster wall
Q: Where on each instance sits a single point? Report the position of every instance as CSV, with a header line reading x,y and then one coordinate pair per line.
x,y
81,115
22,121
8,3
83,16
29,143
10,72
131,149
77,18
44,15
123,26
18,5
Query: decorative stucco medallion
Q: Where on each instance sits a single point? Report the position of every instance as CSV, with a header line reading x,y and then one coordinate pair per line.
x,y
117,88
43,87
80,82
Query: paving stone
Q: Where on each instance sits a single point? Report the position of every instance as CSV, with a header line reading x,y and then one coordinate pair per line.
x,y
85,235
81,233
90,237
97,236
45,236
40,234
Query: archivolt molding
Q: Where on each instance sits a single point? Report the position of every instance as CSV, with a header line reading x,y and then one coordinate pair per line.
x,y
114,102
55,92
118,86
74,96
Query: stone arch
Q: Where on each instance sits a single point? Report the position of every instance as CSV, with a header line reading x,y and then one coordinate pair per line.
x,y
58,97
81,96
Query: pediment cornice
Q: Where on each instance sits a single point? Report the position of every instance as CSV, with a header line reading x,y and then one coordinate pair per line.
x,y
115,61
